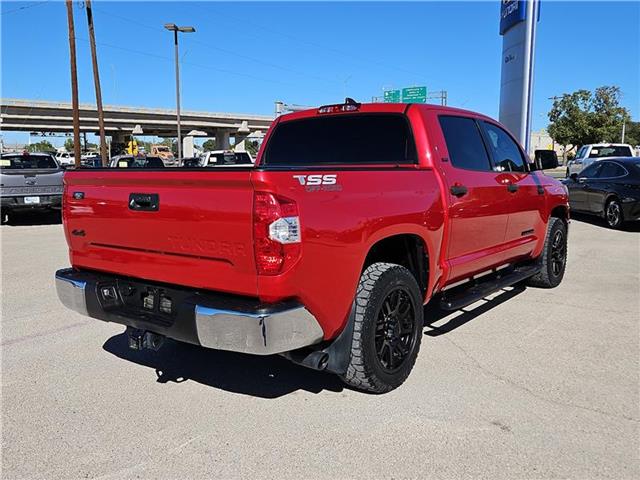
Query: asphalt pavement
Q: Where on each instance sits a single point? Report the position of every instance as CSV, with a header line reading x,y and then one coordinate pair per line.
x,y
531,384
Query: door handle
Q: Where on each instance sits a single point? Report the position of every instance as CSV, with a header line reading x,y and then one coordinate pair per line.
x,y
512,187
458,190
144,202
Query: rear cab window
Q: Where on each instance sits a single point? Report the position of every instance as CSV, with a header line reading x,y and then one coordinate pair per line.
x,y
229,158
613,151
27,162
342,139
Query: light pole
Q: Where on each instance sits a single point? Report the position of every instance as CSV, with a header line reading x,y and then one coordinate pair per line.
x,y
175,29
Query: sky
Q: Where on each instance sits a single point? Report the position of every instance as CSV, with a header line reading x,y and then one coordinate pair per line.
x,y
245,56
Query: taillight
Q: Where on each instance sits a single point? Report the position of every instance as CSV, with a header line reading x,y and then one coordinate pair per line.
x,y
276,231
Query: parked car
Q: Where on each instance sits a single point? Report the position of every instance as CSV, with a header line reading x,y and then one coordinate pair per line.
x,y
29,181
218,158
587,154
354,217
89,155
609,189
165,153
91,162
65,159
131,161
190,162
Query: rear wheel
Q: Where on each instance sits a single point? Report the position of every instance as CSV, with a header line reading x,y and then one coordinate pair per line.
x,y
613,213
387,328
554,256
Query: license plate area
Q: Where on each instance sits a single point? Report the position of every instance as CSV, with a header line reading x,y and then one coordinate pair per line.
x,y
151,303
31,200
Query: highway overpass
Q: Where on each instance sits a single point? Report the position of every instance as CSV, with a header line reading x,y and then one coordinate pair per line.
x,y
45,116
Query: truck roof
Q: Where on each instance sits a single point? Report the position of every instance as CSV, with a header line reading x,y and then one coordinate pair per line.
x,y
380,108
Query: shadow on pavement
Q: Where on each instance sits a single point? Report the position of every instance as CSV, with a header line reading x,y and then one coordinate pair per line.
x,y
269,376
51,217
599,222
258,376
433,313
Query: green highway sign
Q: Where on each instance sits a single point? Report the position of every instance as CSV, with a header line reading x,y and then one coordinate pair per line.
x,y
392,96
414,95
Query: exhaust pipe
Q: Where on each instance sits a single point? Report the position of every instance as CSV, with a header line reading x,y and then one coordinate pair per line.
x,y
316,360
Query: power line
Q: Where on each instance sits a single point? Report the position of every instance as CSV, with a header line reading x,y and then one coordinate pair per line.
x,y
323,47
193,64
24,7
223,50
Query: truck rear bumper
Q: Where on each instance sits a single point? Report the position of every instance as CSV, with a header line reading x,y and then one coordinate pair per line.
x,y
203,318
44,202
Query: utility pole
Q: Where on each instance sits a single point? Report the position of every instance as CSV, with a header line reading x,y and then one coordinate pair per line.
x,y
74,85
624,127
96,82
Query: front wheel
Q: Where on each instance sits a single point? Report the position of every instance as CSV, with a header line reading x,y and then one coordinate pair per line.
x,y
613,213
387,328
554,256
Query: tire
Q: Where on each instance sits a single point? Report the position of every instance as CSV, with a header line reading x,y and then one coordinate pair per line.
x,y
554,256
385,345
613,214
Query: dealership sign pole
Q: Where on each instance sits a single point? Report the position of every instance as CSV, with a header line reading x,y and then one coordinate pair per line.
x,y
518,20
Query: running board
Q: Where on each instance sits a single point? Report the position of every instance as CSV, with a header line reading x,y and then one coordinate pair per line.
x,y
464,295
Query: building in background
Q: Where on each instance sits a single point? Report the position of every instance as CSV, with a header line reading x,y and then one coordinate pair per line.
x,y
541,140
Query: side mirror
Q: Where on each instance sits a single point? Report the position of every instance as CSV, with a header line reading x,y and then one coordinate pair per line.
x,y
545,159
574,177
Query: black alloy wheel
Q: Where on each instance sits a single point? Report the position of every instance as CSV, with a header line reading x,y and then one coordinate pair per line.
x,y
395,330
558,253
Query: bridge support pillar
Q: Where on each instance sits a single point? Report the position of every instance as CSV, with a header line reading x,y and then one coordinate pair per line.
x,y
222,140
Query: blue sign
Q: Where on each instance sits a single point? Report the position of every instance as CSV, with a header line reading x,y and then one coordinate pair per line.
x,y
512,12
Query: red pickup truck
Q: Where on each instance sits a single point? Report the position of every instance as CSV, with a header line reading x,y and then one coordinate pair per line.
x,y
354,217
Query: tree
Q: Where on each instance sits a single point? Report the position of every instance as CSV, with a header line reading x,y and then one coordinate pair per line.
x,y
68,144
585,117
43,146
252,147
209,145
632,133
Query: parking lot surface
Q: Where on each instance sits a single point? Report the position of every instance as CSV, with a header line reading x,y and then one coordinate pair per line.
x,y
531,384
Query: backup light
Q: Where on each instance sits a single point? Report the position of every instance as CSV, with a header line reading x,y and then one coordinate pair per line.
x,y
285,230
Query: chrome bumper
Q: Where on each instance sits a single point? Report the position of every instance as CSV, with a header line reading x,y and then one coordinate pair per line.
x,y
259,331
71,293
255,333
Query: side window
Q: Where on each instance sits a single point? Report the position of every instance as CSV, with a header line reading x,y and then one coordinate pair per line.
x,y
507,157
581,153
464,143
591,171
611,170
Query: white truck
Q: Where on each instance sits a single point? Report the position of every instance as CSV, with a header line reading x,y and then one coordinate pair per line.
x,y
587,154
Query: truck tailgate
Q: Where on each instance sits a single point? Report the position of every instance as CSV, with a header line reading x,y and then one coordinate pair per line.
x,y
191,228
